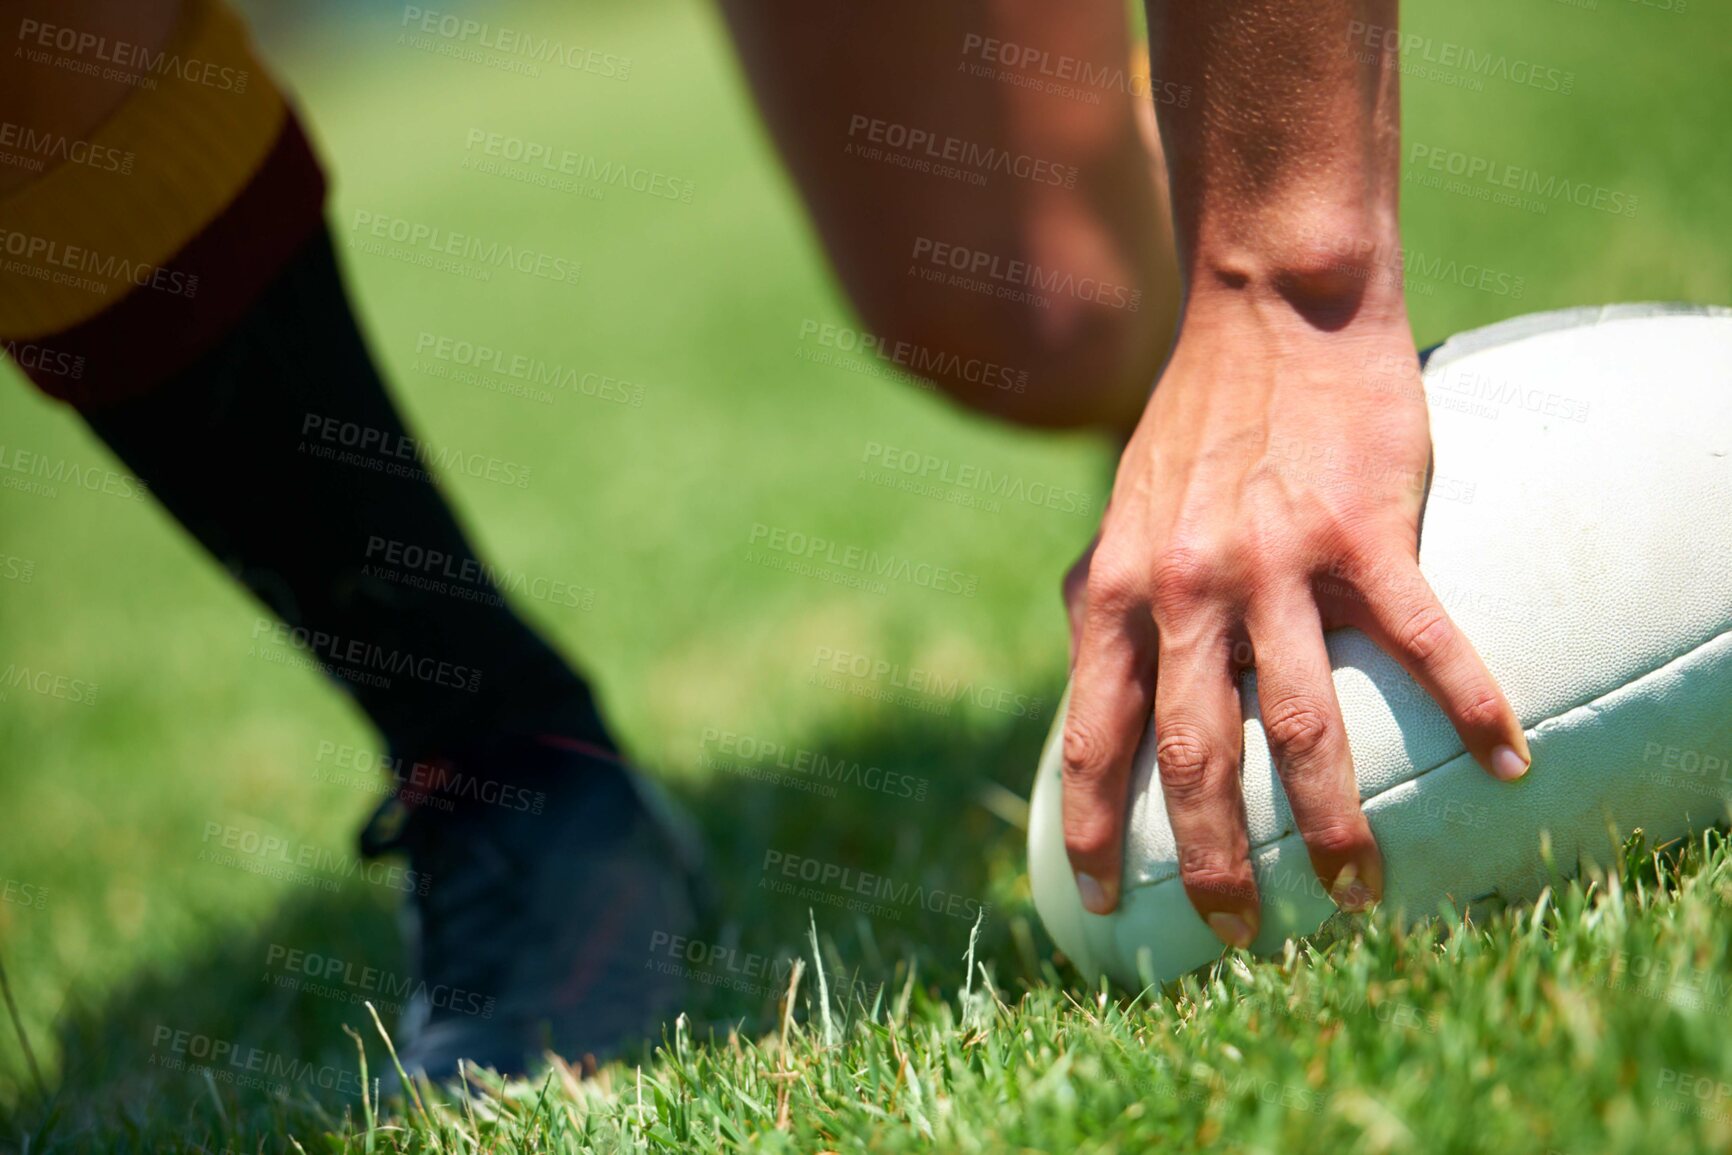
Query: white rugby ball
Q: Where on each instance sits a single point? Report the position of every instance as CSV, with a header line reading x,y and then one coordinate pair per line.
x,y
1579,529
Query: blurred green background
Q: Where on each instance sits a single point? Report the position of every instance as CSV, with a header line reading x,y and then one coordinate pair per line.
x,y
102,806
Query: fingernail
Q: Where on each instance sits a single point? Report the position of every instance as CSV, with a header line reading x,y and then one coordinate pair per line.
x,y
1350,892
1095,898
1507,764
1231,929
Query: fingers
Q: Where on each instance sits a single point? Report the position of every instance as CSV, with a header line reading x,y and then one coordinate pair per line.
x,y
1198,740
1405,618
1111,692
1308,741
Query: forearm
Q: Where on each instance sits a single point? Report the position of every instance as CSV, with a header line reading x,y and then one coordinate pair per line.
x,y
1267,457
1285,169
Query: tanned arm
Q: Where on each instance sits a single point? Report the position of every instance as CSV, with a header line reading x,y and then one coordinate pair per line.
x,y
1273,487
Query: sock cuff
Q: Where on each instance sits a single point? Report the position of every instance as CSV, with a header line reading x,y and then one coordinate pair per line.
x,y
118,275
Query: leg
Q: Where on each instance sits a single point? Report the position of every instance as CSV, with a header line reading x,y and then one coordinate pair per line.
x,y
235,382
221,376
837,79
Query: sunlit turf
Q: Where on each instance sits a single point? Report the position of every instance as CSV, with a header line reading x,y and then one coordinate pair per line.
x,y
1518,1036
1592,1021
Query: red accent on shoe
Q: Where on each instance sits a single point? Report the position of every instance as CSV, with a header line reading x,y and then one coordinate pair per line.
x,y
578,746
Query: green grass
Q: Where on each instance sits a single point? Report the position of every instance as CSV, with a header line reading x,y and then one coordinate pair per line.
x,y
1520,1034
1593,1021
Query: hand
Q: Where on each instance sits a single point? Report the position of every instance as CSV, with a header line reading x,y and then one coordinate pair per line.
x,y
1271,491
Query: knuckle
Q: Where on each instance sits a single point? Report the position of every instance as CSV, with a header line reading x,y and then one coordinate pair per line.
x,y
1088,752
1216,872
1183,575
1087,839
1184,760
1425,632
1482,709
1337,836
1112,583
1299,728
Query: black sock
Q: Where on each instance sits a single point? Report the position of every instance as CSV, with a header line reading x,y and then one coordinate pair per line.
x,y
280,450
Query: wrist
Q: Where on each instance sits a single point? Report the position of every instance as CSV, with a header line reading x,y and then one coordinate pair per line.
x,y
1321,271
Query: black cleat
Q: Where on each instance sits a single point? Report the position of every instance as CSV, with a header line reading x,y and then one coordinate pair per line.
x,y
534,906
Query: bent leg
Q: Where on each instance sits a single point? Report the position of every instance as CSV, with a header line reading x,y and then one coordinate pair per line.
x,y
985,179
231,376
